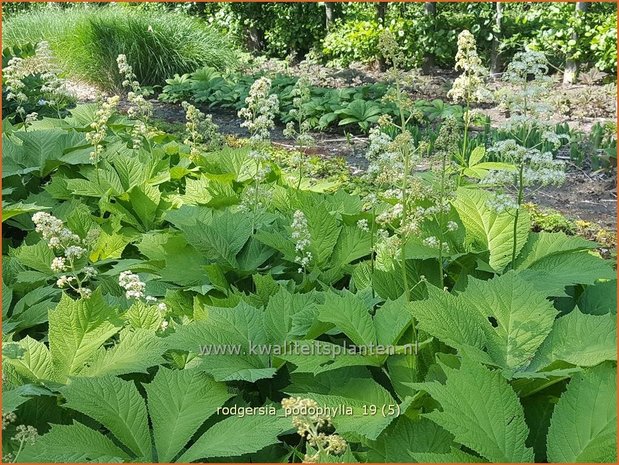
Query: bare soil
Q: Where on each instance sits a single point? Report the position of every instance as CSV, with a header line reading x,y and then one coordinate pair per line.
x,y
585,195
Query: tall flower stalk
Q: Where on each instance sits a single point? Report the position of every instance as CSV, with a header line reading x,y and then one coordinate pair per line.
x,y
259,113
469,87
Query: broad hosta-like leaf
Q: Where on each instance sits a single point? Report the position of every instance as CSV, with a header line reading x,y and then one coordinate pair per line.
x,y
489,229
74,443
583,427
117,405
580,339
77,328
482,411
179,401
236,436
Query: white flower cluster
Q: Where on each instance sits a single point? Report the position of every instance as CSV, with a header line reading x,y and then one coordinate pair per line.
x,y
538,168
301,95
133,286
139,106
528,86
135,289
260,110
301,236
41,64
533,168
470,85
200,129
102,116
310,423
386,166
60,238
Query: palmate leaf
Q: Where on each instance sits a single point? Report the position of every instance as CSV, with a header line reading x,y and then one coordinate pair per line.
x,y
117,405
350,315
222,237
35,363
502,321
74,443
488,229
482,411
227,329
179,401
405,437
136,351
236,436
579,339
523,316
77,328
583,427
552,261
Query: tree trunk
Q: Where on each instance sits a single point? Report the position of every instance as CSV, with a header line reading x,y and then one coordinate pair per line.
x,y
330,15
495,62
381,14
428,57
255,39
571,65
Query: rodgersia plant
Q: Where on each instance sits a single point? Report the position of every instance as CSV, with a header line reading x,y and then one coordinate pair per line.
x,y
71,250
259,114
533,168
100,127
42,64
139,109
200,130
312,427
470,86
524,98
299,126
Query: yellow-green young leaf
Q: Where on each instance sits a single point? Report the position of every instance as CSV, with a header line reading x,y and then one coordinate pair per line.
x,y
36,362
77,328
236,436
109,246
583,427
490,230
179,401
143,316
136,351
482,411
117,405
74,443
521,317
477,155
579,339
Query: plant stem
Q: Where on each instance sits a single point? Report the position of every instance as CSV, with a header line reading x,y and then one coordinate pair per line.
x,y
520,197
